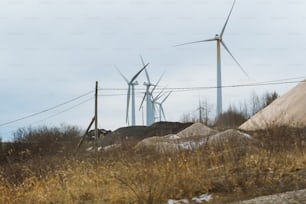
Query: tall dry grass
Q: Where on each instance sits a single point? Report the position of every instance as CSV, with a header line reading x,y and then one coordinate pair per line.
x,y
228,171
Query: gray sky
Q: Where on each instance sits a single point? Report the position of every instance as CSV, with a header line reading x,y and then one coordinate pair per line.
x,y
54,50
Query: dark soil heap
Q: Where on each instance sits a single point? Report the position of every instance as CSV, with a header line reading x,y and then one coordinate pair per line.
x,y
137,133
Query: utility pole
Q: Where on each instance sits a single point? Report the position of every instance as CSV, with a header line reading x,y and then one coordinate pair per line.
x,y
94,120
200,112
96,112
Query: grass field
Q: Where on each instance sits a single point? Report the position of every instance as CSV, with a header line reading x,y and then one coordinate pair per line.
x,y
229,172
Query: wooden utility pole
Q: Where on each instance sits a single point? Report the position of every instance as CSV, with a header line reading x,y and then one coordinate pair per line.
x,y
85,134
96,112
200,112
94,119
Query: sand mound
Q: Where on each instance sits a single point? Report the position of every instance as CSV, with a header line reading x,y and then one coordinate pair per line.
x,y
233,137
197,129
229,138
163,145
287,110
171,143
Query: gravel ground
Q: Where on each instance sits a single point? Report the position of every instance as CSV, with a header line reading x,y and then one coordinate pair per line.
x,y
292,197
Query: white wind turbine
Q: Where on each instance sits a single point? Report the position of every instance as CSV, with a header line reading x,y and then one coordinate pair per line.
x,y
149,99
147,96
131,91
154,101
161,109
220,41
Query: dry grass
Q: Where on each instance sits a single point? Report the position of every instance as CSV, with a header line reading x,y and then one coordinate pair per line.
x,y
124,176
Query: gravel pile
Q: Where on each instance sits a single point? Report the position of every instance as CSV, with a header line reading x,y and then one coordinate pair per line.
x,y
196,138
287,110
197,129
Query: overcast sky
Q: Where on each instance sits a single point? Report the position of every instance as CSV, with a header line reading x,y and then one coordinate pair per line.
x,y
54,50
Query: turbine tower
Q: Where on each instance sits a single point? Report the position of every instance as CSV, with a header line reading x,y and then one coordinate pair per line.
x,y
147,96
131,91
219,39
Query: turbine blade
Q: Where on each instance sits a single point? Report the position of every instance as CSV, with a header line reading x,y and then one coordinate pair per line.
x,y
157,83
159,95
144,97
136,75
223,29
147,75
166,97
146,71
125,79
212,39
163,112
229,52
143,64
128,104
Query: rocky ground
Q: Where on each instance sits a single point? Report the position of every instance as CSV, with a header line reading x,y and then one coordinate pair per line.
x,y
292,197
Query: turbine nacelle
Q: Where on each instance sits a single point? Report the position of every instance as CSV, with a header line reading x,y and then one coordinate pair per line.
x,y
218,37
147,84
134,83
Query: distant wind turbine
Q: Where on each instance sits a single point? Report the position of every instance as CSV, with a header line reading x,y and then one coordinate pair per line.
x,y
161,109
150,100
155,101
131,91
147,96
220,41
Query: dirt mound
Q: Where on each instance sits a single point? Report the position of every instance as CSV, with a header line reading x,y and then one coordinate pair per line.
x,y
287,110
138,133
189,138
230,137
197,129
164,144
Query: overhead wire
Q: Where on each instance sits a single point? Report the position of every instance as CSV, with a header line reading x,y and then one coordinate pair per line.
x,y
46,110
182,89
63,111
67,109
140,91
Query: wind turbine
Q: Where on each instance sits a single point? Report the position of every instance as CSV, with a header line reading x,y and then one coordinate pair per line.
x,y
220,41
147,96
131,88
150,100
155,101
161,109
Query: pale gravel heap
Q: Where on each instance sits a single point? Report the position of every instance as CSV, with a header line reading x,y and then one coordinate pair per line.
x,y
229,135
287,110
194,137
197,129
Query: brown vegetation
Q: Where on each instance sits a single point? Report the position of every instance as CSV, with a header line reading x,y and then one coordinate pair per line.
x,y
122,175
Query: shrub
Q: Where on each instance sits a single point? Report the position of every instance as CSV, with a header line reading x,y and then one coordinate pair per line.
x,y
230,119
45,140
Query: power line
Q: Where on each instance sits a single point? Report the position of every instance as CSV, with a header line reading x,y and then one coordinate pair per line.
x,y
174,89
63,111
46,110
182,89
68,109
